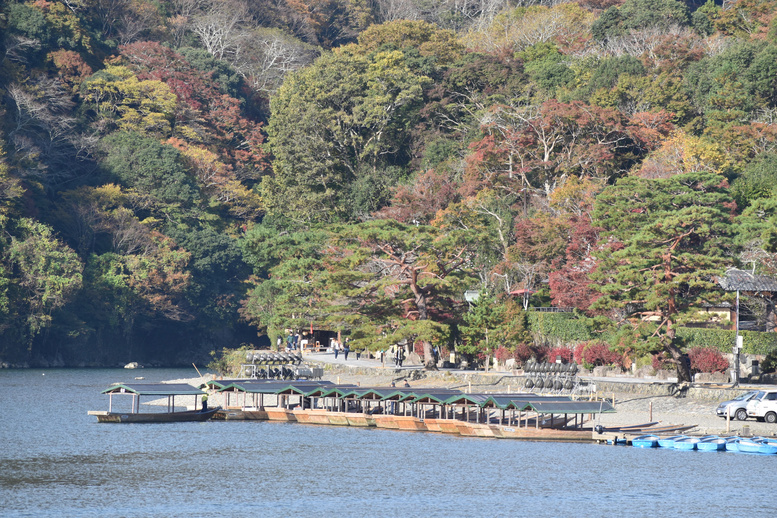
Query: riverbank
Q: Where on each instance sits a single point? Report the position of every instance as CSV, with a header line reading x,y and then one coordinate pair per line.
x,y
636,400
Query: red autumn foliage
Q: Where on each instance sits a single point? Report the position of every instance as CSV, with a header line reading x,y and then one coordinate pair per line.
x,y
704,359
214,117
420,201
661,361
524,352
71,67
569,283
566,354
595,354
502,353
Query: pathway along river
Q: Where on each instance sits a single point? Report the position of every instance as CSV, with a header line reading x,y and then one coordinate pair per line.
x,y
57,461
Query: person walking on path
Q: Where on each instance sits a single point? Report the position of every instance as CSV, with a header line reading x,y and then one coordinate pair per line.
x,y
336,347
346,349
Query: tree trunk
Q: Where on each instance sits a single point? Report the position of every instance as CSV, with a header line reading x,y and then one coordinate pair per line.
x,y
680,360
429,363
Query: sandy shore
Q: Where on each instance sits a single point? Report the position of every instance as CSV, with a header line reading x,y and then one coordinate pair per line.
x,y
630,408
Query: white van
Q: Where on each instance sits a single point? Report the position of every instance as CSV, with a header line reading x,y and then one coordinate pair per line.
x,y
763,406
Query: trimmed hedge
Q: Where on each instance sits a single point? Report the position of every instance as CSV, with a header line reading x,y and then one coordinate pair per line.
x,y
564,327
723,340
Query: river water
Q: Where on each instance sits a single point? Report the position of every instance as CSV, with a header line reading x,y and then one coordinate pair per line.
x,y
57,461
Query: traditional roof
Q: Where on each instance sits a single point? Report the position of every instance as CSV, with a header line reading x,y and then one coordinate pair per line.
x,y
518,401
154,389
571,407
276,386
745,281
466,399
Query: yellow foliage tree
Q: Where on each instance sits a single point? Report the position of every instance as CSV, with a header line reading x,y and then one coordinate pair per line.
x,y
567,25
117,94
684,153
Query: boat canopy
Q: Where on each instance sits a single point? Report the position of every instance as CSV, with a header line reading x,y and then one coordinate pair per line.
x,y
570,407
154,389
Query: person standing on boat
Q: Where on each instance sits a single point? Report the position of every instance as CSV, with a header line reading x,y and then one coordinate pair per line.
x,y
205,402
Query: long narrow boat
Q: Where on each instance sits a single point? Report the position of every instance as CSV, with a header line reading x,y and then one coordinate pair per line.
x,y
154,417
170,415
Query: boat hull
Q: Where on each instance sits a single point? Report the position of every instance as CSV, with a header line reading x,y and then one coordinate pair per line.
x,y
645,441
155,417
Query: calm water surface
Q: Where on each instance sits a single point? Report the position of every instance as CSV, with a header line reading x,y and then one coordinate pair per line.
x,y
57,461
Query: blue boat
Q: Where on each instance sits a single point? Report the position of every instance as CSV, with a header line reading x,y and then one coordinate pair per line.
x,y
711,444
732,443
668,442
757,446
645,441
686,443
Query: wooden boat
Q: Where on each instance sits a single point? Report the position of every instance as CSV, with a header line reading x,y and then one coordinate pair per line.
x,y
360,419
410,423
338,418
155,417
388,421
645,441
432,425
668,442
711,444
243,414
280,414
169,390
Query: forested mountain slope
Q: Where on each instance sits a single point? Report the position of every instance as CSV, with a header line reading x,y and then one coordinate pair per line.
x,y
179,176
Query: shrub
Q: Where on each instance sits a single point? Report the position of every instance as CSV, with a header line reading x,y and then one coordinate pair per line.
x,y
595,353
770,362
502,353
660,361
704,359
524,352
566,354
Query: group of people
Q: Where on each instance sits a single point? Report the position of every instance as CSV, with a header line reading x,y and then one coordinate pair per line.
x,y
397,352
341,347
293,342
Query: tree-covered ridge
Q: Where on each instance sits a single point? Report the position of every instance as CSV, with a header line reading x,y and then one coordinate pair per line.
x,y
179,175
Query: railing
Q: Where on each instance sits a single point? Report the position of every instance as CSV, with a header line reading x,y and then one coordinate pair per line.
x,y
552,310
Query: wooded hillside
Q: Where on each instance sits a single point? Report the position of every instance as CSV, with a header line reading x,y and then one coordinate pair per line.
x,y
179,176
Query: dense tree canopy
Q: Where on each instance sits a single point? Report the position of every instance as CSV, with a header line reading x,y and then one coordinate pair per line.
x,y
181,176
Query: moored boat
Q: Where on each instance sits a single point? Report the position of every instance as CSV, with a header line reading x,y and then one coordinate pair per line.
x,y
732,443
711,444
169,390
686,443
645,441
668,442
757,446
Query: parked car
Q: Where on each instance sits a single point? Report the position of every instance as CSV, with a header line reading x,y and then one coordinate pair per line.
x,y
763,406
738,406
